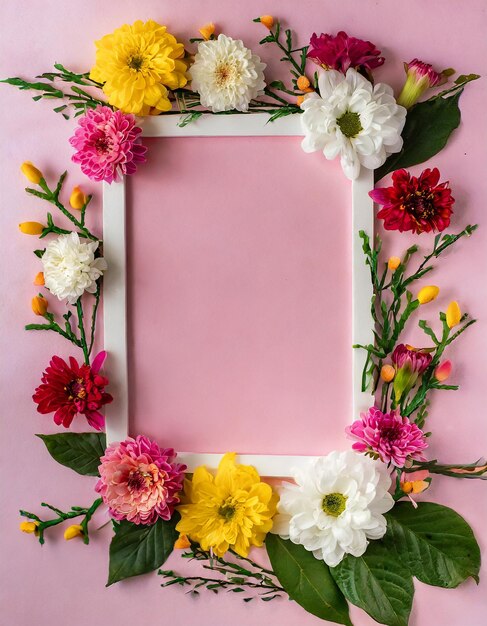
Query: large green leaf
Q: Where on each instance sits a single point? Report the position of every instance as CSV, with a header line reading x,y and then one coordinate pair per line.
x,y
137,549
377,582
79,451
307,580
436,543
428,126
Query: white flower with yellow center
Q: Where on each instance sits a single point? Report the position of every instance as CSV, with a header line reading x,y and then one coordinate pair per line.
x,y
336,506
70,267
226,74
353,119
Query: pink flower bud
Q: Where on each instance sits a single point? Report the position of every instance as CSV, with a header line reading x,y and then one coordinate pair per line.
x,y
420,77
443,371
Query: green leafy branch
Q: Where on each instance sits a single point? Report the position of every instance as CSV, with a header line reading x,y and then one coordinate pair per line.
x,y
467,470
76,511
233,577
77,98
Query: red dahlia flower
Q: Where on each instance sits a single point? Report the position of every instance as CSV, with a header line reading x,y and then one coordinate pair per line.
x,y
72,389
342,52
417,204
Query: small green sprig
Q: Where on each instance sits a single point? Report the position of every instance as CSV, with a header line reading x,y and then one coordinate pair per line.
x,y
62,516
468,470
233,576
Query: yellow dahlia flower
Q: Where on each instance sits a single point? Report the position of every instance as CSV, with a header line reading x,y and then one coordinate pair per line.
x,y
136,64
233,509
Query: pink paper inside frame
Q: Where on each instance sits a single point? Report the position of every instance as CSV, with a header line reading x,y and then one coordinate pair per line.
x,y
239,291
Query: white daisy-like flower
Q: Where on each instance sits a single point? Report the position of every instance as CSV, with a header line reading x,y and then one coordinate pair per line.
x,y
353,119
226,74
70,267
336,505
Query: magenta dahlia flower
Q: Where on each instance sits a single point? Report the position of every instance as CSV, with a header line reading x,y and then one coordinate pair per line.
x,y
70,389
409,363
419,77
107,144
342,52
139,481
392,438
418,204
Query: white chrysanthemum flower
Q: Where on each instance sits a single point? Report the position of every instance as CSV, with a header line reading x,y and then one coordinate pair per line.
x,y
354,119
336,505
70,267
226,74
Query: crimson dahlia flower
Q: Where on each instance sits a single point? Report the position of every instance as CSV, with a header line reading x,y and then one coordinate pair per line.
x,y
410,363
342,52
418,204
70,389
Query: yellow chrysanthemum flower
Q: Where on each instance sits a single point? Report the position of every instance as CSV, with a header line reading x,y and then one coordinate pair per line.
x,y
136,64
233,509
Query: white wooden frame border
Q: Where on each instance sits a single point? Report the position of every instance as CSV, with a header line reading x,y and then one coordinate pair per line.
x,y
115,288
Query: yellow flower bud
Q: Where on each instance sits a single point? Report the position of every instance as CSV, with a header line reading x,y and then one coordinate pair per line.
x,y
303,83
267,20
73,531
182,543
31,228
39,279
31,172
428,294
387,373
299,100
453,314
39,305
207,31
77,199
29,527
393,263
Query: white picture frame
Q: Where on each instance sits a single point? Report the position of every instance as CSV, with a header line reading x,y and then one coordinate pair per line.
x,y
115,287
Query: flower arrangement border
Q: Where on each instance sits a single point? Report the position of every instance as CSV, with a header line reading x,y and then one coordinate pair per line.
x,y
115,284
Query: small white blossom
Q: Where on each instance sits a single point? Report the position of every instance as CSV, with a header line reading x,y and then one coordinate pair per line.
x,y
336,505
70,267
226,74
352,119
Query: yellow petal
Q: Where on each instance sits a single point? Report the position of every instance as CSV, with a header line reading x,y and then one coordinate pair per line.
x,y
31,228
76,530
31,172
428,294
453,314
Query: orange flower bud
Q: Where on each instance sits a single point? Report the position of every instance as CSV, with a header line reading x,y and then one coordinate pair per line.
x,y
31,172
39,279
76,530
443,371
77,199
29,527
31,228
299,100
267,20
387,373
207,30
39,305
453,314
303,83
428,294
393,263
182,543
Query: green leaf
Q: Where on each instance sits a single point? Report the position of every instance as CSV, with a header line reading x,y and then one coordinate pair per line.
x,y
39,253
137,549
428,126
377,582
79,451
436,543
307,580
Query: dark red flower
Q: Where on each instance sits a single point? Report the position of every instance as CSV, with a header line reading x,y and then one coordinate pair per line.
x,y
72,389
342,52
417,204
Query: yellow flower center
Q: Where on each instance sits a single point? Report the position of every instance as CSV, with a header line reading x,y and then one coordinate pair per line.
x,y
349,124
334,504
135,62
227,509
224,73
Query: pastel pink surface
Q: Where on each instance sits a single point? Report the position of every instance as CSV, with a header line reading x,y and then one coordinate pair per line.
x,y
64,583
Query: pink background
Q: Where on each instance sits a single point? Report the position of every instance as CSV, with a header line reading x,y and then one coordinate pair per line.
x,y
63,583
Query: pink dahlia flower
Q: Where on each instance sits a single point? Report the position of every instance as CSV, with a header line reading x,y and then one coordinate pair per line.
x,y
391,437
107,144
419,204
67,390
419,77
342,52
139,481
